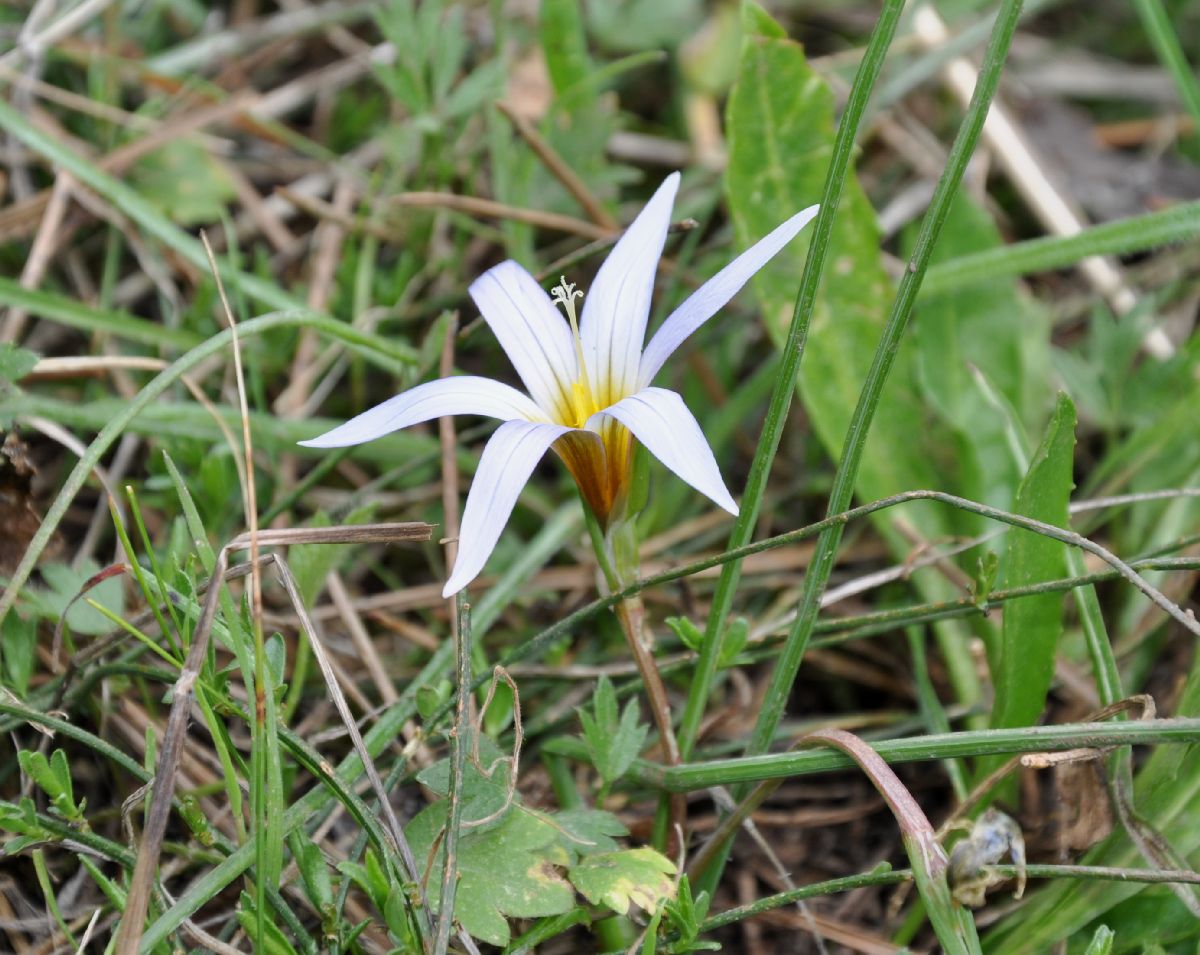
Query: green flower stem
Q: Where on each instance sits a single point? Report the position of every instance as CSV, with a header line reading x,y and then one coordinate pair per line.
x,y
781,397
847,473
460,743
616,551
884,876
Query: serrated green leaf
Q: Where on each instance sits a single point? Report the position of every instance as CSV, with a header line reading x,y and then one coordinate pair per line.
x,y
485,788
613,741
588,831
686,914
1033,625
506,871
641,876
604,705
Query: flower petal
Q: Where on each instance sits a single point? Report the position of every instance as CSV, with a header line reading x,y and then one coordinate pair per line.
x,y
531,331
661,421
710,297
464,394
617,306
504,468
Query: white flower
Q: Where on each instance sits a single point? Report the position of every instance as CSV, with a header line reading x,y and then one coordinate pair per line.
x,y
589,384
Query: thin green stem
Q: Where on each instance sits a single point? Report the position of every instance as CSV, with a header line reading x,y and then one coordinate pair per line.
x,y
879,877
459,744
567,624
1166,44
885,877
691,777
1179,223
855,442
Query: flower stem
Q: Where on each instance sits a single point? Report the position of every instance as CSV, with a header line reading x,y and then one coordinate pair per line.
x,y
616,552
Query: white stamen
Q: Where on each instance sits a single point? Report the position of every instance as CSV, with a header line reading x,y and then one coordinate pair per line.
x,y
564,294
582,402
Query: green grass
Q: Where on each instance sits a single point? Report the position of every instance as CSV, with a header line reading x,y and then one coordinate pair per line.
x,y
909,423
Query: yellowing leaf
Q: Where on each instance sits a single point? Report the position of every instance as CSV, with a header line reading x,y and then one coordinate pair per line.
x,y
640,876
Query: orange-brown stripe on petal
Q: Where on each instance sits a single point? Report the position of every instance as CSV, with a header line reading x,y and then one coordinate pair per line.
x,y
599,463
583,454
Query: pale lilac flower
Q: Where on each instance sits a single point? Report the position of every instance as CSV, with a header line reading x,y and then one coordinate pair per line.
x,y
589,383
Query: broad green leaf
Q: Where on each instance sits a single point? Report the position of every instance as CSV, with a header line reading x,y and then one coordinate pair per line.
x,y
506,871
1032,625
639,876
314,870
780,120
588,831
311,563
631,25
987,329
66,583
18,647
485,787
15,363
564,43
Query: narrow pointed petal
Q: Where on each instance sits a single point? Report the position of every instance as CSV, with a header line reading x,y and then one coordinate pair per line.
x,y
465,394
710,297
661,421
617,306
504,468
531,331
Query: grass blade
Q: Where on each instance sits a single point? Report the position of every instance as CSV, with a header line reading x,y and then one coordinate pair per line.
x,y
843,489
